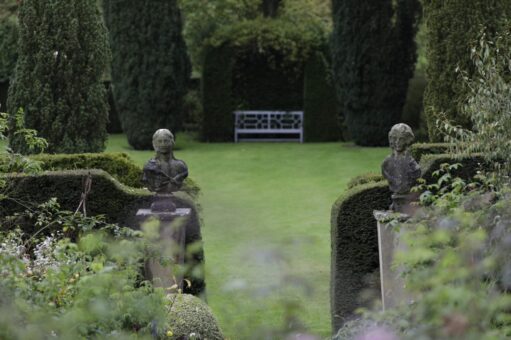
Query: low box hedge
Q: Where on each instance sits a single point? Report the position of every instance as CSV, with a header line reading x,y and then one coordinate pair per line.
x,y
420,149
118,164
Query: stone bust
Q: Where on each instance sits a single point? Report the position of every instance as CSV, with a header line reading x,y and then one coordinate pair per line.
x,y
164,174
399,168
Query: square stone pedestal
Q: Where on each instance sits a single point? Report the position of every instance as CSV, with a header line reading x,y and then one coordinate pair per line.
x,y
170,245
393,291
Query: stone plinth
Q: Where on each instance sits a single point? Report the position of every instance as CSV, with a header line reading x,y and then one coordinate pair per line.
x,y
171,246
393,291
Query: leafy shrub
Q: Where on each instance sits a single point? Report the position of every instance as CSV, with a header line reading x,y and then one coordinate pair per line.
x,y
76,276
451,29
453,262
488,106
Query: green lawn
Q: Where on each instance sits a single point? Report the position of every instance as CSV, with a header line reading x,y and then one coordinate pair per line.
x,y
266,210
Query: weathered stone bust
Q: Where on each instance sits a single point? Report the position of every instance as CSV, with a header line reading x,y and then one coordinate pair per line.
x,y
399,168
164,174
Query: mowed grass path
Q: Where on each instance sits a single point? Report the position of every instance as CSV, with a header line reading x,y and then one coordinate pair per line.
x,y
266,210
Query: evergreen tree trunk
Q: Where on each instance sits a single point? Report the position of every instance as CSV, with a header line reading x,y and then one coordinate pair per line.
x,y
150,68
63,54
452,28
374,53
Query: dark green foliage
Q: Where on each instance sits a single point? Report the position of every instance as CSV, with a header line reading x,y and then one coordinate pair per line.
x,y
270,7
364,179
192,110
321,116
420,149
218,105
150,66
413,108
374,54
119,165
9,34
354,234
189,314
4,88
114,123
257,64
108,197
354,246
63,54
452,28
469,165
261,81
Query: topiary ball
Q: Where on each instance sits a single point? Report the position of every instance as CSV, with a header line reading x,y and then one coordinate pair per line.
x,y
191,318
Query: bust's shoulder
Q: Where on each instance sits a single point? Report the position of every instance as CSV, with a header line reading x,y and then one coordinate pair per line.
x,y
388,160
151,164
179,164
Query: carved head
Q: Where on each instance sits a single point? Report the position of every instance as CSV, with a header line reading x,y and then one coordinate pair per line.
x,y
401,137
163,141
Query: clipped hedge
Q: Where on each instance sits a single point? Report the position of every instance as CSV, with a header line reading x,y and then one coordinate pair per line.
x,y
119,203
354,241
364,179
188,315
469,166
119,165
218,106
262,81
420,149
321,120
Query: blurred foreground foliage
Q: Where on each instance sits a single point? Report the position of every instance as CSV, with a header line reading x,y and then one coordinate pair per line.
x,y
457,264
67,280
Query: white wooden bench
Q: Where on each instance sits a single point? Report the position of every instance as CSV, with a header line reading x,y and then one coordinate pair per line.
x,y
272,123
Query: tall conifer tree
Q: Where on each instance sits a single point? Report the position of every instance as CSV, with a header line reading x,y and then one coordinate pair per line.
x,y
374,53
63,54
150,66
